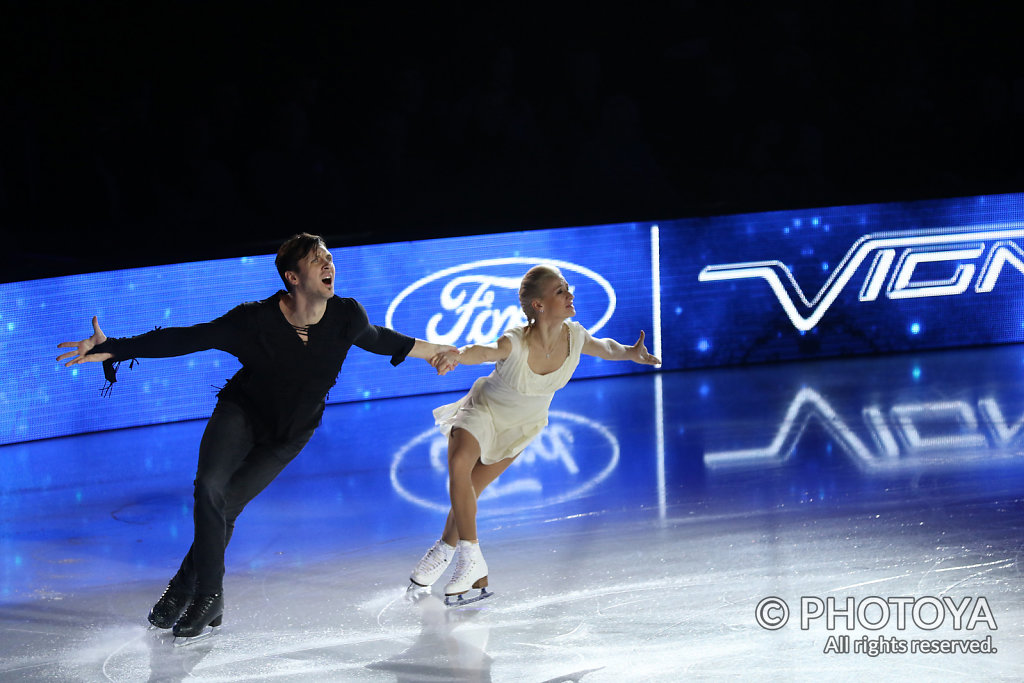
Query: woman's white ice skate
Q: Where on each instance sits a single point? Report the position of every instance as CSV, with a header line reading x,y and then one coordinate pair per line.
x,y
432,565
470,572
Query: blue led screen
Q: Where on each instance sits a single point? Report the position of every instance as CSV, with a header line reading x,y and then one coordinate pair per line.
x,y
709,291
844,280
457,291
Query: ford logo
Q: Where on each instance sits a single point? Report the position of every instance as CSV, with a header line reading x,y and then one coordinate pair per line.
x,y
569,458
474,303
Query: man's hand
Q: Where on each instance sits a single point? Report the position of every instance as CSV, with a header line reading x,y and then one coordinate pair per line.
x,y
82,348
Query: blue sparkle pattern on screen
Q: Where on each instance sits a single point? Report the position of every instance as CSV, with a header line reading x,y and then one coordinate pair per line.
x,y
847,280
458,291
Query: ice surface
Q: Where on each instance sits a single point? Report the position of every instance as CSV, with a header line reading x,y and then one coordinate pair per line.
x,y
633,544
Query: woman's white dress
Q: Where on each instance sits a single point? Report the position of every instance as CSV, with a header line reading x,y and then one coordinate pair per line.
x,y
507,409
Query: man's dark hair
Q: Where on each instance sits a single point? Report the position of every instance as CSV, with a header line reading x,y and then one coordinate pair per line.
x,y
294,250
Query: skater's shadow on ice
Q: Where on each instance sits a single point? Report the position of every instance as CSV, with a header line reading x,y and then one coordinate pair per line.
x,y
450,646
169,664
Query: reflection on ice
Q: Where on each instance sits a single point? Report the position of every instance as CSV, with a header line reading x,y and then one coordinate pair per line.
x,y
908,436
880,427
571,457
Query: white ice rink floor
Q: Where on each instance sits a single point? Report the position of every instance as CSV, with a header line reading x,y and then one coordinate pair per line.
x,y
635,543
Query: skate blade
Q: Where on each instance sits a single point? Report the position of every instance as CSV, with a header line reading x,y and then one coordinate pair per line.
x,y
416,592
183,641
461,600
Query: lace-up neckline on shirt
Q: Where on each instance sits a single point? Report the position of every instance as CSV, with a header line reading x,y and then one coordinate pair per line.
x,y
302,331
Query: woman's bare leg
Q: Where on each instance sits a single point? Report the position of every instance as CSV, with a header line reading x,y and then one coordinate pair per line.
x,y
468,477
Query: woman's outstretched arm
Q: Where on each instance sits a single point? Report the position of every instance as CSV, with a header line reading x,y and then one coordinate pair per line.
x,y
609,349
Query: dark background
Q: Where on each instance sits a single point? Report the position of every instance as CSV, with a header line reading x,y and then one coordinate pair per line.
x,y
143,133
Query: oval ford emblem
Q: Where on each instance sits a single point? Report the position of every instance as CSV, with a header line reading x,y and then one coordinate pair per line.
x,y
569,458
474,303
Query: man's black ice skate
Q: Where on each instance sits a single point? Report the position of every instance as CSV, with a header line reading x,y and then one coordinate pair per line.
x,y
170,605
204,611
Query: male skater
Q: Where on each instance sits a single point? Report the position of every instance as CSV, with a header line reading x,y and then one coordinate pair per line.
x,y
291,346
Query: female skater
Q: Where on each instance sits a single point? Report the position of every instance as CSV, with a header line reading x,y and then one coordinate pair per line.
x,y
503,412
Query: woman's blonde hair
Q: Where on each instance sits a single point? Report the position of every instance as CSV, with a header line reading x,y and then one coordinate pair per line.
x,y
532,287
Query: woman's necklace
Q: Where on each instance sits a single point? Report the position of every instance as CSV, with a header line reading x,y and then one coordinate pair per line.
x,y
547,354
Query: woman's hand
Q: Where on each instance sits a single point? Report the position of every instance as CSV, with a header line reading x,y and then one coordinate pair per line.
x,y
445,361
638,353
82,348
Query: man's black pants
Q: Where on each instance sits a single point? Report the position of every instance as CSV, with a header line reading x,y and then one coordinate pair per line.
x,y
234,466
